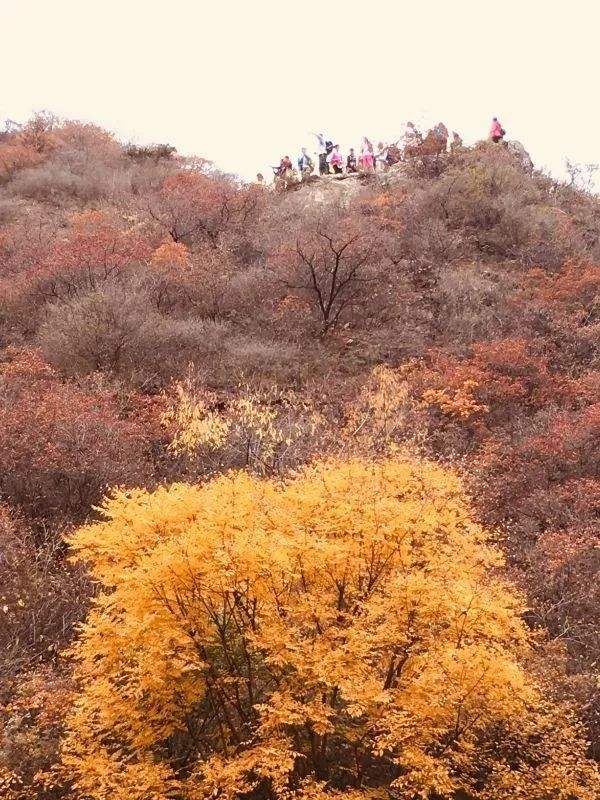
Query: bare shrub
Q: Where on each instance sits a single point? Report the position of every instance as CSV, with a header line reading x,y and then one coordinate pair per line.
x,y
96,331
167,346
496,207
8,211
253,358
115,329
248,289
422,238
332,264
147,176
472,303
42,597
56,183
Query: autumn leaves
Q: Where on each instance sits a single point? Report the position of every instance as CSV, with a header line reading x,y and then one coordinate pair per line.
x,y
343,632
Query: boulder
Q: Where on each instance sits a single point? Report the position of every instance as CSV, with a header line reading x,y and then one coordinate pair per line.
x,y
329,189
519,152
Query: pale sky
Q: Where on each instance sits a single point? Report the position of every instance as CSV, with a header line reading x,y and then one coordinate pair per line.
x,y
244,82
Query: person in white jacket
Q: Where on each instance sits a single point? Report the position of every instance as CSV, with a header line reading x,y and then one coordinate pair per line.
x,y
322,151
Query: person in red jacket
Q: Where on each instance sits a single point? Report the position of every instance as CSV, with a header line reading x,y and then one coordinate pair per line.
x,y
497,132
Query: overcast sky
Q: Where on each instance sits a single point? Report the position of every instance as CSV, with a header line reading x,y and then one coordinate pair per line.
x,y
243,82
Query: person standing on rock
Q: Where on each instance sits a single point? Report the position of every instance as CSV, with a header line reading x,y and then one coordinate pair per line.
x,y
322,151
366,160
497,132
381,157
351,161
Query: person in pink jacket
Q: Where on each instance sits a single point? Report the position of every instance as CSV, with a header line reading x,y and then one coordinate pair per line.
x,y
336,160
497,132
367,158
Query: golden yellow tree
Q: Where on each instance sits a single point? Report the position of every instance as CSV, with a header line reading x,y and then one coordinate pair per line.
x,y
343,633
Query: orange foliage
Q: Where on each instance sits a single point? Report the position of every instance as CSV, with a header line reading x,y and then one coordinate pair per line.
x,y
15,156
27,147
459,403
497,380
94,250
573,290
171,253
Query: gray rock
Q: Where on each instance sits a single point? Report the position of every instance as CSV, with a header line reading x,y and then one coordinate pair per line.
x,y
517,149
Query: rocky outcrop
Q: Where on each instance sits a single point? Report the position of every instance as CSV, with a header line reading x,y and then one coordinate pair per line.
x,y
517,149
327,189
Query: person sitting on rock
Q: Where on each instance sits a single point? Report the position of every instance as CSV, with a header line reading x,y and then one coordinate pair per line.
x,y
351,161
497,132
336,162
393,154
305,164
284,173
456,142
285,165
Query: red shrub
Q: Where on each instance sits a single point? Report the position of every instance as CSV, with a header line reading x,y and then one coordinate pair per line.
x,y
543,479
503,379
199,209
61,446
94,251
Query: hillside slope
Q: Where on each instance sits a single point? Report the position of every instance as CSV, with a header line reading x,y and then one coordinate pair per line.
x,y
162,322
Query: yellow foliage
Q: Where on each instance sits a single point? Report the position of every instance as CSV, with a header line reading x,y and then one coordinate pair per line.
x,y
381,409
194,424
257,427
342,634
250,425
459,403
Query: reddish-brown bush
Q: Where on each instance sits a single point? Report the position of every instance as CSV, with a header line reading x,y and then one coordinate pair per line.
x,y
199,209
41,599
61,446
499,381
534,478
95,250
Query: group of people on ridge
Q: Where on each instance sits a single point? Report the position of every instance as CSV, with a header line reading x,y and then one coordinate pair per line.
x,y
371,159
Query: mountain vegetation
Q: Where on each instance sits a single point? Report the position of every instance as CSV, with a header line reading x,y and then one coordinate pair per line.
x,y
299,490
